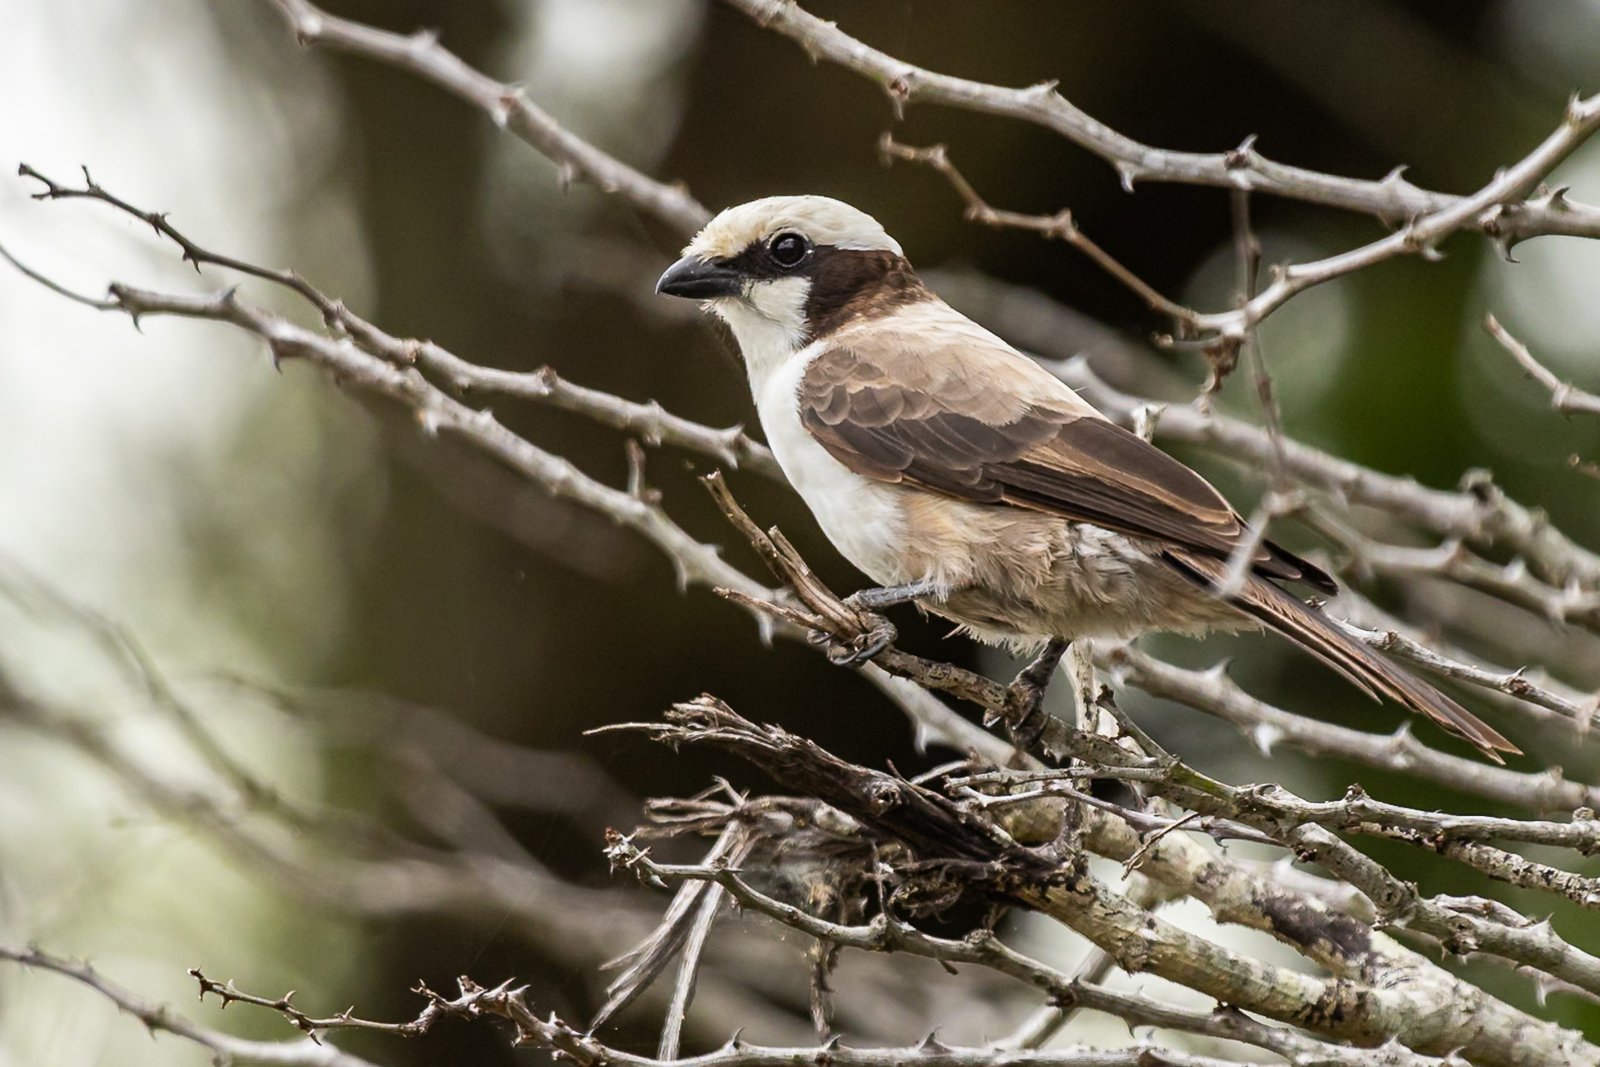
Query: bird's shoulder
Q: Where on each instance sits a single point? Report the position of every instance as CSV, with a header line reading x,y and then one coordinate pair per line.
x,y
931,358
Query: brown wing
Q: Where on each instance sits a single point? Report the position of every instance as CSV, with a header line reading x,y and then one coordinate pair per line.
x,y
997,441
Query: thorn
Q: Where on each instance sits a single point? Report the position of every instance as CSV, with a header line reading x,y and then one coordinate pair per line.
x,y
899,90
1396,178
422,40
1243,157
508,101
1265,736
1574,113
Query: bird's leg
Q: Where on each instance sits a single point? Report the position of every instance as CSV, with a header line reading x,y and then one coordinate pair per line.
x,y
879,633
1024,710
891,595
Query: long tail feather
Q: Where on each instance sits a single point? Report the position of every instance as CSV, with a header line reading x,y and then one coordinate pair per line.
x,y
1368,670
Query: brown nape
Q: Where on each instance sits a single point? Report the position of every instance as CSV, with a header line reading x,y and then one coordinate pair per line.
x,y
849,284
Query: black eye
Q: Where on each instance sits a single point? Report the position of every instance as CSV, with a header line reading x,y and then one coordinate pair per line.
x,y
788,249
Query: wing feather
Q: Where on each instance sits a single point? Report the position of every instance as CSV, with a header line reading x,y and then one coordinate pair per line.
x,y
895,413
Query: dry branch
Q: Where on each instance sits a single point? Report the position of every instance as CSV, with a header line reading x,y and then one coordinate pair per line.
x,y
1392,199
1564,396
1434,1014
158,1018
507,105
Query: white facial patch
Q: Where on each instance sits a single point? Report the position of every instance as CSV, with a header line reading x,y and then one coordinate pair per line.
x,y
769,321
782,300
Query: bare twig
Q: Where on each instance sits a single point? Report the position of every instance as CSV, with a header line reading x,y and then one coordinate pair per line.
x,y
1061,225
1526,686
507,106
1477,512
1213,692
158,1018
1419,236
1564,396
1392,199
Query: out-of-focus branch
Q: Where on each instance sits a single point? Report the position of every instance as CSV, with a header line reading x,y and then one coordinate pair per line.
x,y
1393,199
1564,396
1419,236
1061,225
1580,712
1213,692
159,1019
508,1002
1478,512
507,105
328,863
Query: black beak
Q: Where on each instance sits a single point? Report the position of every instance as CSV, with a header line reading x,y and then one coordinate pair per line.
x,y
699,279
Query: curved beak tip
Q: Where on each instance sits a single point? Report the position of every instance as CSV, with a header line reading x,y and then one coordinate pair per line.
x,y
699,279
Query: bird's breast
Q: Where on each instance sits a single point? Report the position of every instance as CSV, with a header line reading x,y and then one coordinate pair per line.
x,y
864,519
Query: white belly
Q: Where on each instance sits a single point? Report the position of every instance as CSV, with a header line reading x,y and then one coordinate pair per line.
x,y
862,518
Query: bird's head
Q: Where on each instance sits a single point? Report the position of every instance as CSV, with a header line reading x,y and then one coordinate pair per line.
x,y
787,269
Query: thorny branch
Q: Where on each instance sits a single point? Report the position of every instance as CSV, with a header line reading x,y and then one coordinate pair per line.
x,y
938,832
507,1004
1392,199
1564,396
507,105
158,1018
1420,235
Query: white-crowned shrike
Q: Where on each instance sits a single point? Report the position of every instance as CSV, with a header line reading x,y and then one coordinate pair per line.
x,y
958,473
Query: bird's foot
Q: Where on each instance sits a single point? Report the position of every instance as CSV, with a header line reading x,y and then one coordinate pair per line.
x,y
1023,712
877,633
874,632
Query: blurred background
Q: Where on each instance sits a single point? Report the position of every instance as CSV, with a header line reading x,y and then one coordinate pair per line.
x,y
308,575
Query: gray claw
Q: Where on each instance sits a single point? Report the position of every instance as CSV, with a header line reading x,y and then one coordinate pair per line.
x,y
853,652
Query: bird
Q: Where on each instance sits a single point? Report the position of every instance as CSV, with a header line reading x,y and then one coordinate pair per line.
x,y
960,475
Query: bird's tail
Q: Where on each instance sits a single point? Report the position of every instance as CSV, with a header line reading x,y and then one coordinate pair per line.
x,y
1371,672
